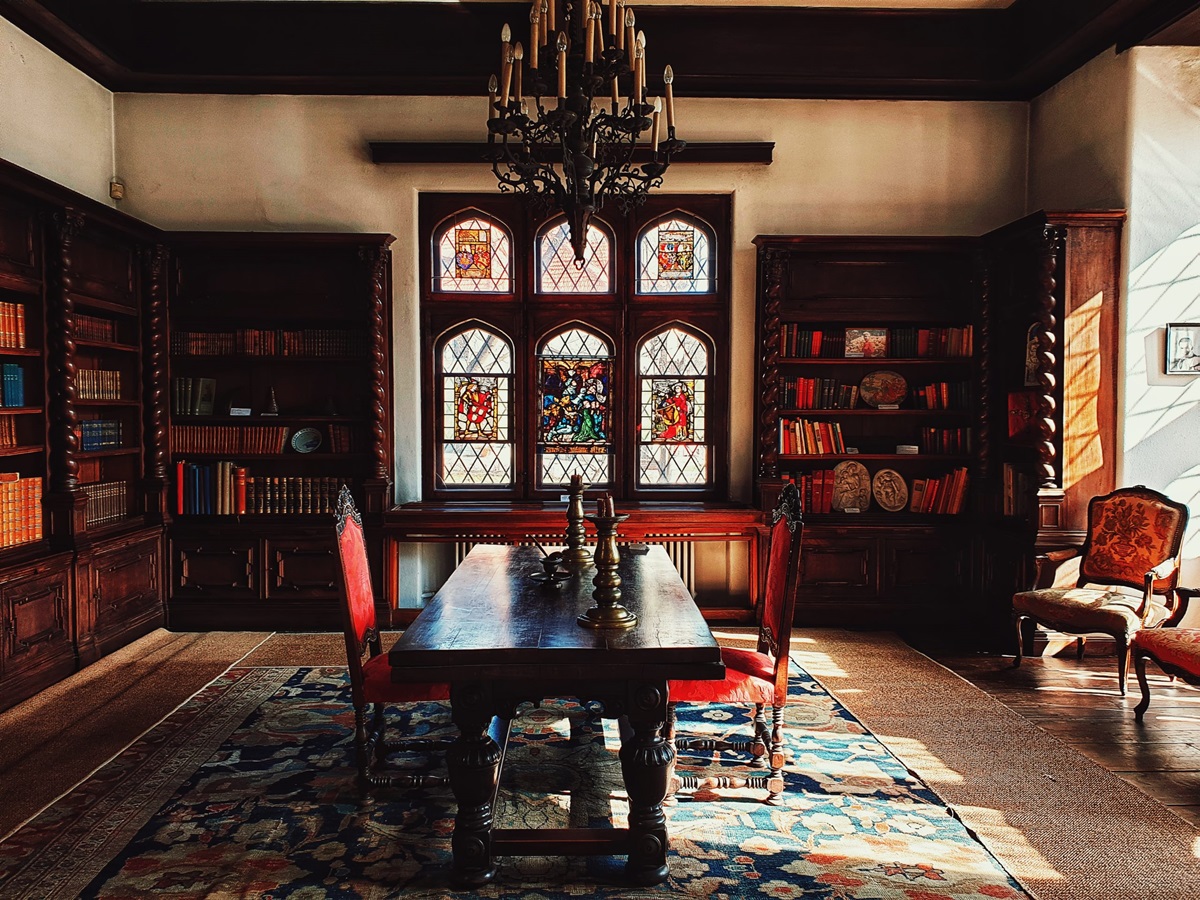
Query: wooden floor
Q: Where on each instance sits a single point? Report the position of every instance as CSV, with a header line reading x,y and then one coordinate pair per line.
x,y
1079,702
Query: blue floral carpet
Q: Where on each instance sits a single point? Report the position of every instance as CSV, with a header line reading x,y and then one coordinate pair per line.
x,y
248,791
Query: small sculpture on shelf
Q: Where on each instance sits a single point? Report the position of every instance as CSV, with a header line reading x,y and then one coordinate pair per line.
x,y
608,612
577,555
272,406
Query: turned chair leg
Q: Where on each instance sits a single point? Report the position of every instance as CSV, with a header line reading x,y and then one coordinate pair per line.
x,y
1122,663
1139,666
1019,622
362,751
775,779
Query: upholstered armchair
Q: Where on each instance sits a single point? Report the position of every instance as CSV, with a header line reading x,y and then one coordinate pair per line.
x,y
1133,540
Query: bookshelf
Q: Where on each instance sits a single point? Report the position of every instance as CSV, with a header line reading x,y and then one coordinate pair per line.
x,y
279,372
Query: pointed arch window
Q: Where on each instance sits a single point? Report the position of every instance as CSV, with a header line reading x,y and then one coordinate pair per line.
x,y
673,372
556,269
675,256
574,433
473,255
476,390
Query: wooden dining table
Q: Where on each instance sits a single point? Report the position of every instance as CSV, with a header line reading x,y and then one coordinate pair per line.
x,y
500,638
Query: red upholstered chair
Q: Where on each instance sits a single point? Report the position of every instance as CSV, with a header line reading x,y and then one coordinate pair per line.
x,y
758,676
1133,540
1175,650
370,680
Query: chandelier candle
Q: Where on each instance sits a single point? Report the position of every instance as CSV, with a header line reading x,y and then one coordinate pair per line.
x,y
574,155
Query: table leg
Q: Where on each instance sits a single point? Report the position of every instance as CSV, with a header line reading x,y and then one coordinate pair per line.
x,y
646,758
474,762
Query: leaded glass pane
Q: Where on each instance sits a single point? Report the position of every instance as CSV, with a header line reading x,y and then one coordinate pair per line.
x,y
474,408
477,464
672,411
673,352
671,465
557,272
557,467
674,257
575,342
474,255
477,351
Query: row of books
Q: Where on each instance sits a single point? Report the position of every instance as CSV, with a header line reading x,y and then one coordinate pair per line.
x,y
12,325
804,343
224,488
819,393
107,502
270,342
816,491
945,440
99,434
20,509
922,343
944,495
12,391
1016,492
193,396
95,328
804,437
341,439
98,384
239,439
943,395
8,431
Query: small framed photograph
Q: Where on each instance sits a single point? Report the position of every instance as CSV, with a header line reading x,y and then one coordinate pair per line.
x,y
1183,348
865,342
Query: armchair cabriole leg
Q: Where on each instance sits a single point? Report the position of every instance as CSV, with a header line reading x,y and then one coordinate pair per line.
x,y
1019,622
1139,666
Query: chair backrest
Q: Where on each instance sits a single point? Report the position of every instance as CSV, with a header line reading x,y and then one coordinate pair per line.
x,y
358,600
782,583
1131,531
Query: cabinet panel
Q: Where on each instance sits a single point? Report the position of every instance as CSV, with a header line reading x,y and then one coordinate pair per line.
x,y
38,650
215,568
103,268
302,568
126,590
922,567
837,566
18,237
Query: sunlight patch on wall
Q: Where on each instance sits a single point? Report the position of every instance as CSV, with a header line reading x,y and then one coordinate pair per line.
x,y
1082,450
1186,489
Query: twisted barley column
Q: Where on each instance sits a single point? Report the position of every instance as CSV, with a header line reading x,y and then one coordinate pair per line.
x,y
983,352
1047,356
774,266
60,349
377,258
155,375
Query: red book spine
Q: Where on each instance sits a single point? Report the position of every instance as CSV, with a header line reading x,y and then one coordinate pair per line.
x,y
179,488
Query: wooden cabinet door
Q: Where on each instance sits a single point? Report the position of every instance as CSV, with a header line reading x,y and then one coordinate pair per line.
x,y
204,568
302,569
38,649
125,588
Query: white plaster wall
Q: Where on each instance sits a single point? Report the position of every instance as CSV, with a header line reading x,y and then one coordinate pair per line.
x,y
54,120
296,163
1162,412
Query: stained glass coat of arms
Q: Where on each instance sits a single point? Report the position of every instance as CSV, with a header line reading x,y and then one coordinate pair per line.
x,y
673,451
473,255
476,381
675,256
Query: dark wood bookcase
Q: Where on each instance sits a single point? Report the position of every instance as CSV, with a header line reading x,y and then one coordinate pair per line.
x,y
960,317
279,387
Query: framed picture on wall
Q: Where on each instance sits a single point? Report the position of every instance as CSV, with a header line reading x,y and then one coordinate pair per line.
x,y
1183,348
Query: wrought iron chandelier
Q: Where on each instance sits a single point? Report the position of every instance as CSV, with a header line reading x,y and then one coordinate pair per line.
x,y
574,155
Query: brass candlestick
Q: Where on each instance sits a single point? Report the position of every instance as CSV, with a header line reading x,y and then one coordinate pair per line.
x,y
607,613
576,556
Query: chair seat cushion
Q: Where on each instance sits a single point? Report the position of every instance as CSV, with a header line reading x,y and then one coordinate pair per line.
x,y
1082,610
1178,647
749,678
378,686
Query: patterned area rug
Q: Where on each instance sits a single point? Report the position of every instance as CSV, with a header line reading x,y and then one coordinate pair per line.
x,y
248,791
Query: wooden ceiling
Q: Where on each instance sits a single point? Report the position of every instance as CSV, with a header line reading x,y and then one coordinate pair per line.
x,y
860,49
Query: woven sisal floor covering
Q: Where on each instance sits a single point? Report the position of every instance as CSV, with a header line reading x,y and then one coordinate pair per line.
x,y
1066,828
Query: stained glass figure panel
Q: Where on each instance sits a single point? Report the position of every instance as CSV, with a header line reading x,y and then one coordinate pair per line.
x,y
557,271
477,464
574,401
672,410
474,255
475,408
674,257
673,465
477,351
673,352
556,468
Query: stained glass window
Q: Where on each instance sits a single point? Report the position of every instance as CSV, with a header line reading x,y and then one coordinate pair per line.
x,y
574,429
673,449
474,254
675,256
557,271
477,450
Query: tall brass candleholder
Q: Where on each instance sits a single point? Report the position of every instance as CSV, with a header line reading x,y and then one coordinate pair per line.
x,y
607,613
576,556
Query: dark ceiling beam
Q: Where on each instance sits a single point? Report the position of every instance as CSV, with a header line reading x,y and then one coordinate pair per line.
x,y
1172,22
435,152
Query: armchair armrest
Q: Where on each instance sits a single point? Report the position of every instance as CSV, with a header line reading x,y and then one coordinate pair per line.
x,y
1183,596
1047,564
1162,570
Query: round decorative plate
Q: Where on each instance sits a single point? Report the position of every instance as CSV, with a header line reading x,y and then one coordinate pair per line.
x,y
851,486
890,490
883,387
306,440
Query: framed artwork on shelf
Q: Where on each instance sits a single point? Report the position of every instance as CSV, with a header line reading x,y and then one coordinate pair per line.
x,y
1183,348
866,342
1022,416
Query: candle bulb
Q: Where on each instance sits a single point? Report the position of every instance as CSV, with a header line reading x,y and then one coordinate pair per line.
x,y
589,38
493,86
641,53
629,39
562,65
518,56
654,124
535,36
668,77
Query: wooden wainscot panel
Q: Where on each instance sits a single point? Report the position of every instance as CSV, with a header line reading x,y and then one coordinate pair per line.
x,y
103,268
219,568
302,569
834,568
924,569
127,591
38,650
18,238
